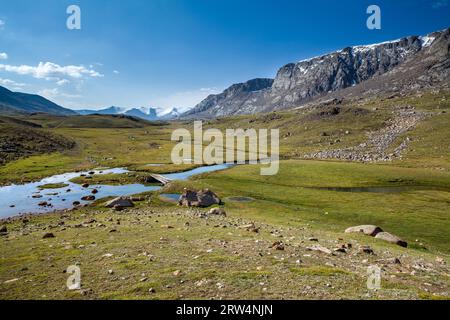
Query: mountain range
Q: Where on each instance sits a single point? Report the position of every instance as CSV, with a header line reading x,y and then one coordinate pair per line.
x,y
409,63
150,114
22,103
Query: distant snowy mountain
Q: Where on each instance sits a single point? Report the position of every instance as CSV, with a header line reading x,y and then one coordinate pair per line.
x,y
146,113
171,115
110,110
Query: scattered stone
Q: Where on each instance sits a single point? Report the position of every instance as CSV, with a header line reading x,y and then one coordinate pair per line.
x,y
176,273
76,203
11,281
250,227
3,229
36,196
368,229
43,204
320,249
48,235
440,260
390,261
151,290
366,249
85,185
313,239
94,191
217,212
278,245
88,198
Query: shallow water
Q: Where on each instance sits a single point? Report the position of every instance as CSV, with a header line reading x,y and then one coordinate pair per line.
x,y
239,199
172,197
392,189
17,199
187,174
20,196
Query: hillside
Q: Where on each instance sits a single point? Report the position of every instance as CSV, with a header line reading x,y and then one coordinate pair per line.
x,y
411,64
19,139
19,103
89,121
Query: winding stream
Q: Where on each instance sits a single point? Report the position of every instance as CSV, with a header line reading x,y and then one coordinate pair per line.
x,y
18,199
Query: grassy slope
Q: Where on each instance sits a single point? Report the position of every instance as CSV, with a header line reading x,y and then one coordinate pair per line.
x,y
412,215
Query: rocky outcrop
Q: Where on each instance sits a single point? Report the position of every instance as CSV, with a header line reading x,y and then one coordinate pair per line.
x,y
368,229
386,236
238,96
298,83
122,202
202,198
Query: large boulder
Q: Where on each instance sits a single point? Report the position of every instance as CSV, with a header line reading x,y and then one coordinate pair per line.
x,y
386,236
367,229
202,198
217,212
122,202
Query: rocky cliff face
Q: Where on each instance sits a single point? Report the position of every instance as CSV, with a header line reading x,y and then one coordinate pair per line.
x,y
301,82
234,100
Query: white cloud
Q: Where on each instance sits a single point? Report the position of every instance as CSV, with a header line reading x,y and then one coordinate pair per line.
x,y
62,82
50,70
116,72
2,24
12,84
3,56
55,93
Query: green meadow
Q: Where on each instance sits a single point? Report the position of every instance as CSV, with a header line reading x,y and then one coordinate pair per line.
x,y
160,251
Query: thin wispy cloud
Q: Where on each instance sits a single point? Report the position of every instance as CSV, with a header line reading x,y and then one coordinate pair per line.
x,y
55,94
62,82
11,84
51,71
3,56
439,4
2,24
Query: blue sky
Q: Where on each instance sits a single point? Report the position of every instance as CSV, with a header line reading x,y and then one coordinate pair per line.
x,y
173,53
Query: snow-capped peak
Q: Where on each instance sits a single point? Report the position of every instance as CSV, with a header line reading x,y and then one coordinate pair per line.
x,y
426,41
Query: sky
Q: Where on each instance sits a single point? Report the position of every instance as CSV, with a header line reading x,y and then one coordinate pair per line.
x,y
174,53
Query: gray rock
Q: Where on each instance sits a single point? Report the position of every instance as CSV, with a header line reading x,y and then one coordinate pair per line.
x,y
48,235
386,236
367,229
202,198
123,202
217,212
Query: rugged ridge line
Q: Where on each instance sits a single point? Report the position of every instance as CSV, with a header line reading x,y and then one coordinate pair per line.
x,y
299,83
